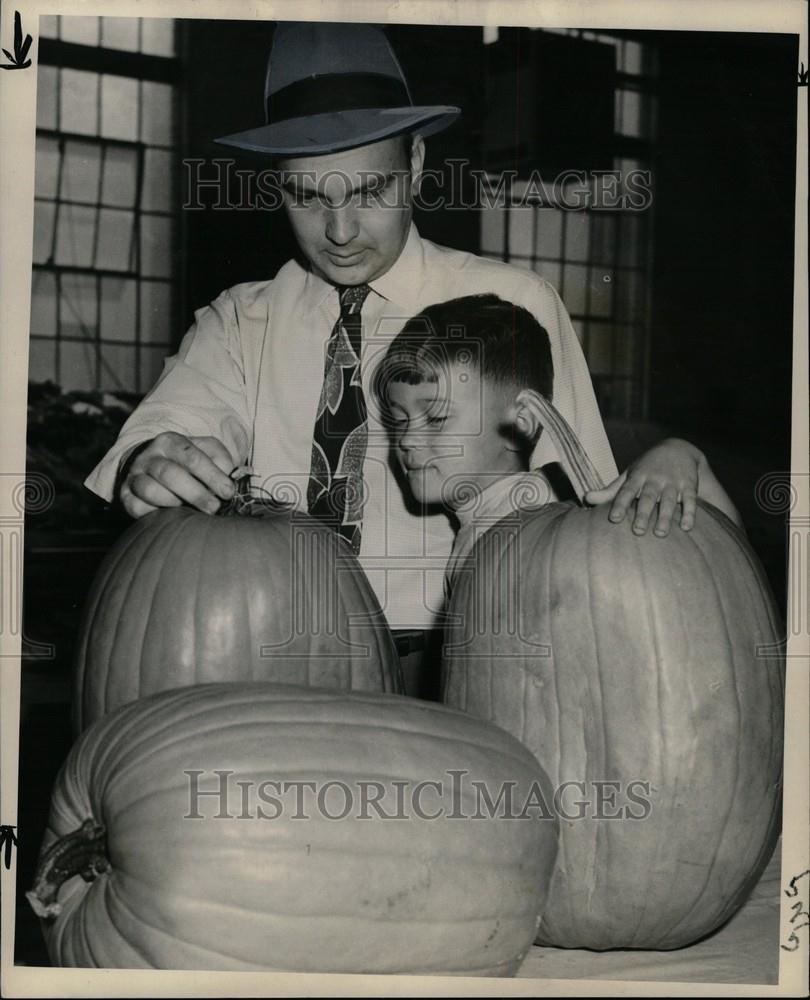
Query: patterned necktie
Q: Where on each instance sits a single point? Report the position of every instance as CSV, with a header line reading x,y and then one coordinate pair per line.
x,y
335,490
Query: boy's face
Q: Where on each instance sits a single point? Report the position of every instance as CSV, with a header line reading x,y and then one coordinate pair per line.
x,y
351,211
452,432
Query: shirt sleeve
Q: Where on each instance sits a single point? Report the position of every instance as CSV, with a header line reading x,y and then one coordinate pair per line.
x,y
573,393
200,393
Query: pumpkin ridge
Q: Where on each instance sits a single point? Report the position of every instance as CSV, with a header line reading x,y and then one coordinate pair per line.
x,y
722,828
313,737
111,563
115,631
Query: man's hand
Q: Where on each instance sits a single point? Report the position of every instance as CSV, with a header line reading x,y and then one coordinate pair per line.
x,y
172,470
666,475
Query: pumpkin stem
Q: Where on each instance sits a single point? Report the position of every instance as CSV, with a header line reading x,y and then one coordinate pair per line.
x,y
244,502
82,852
578,467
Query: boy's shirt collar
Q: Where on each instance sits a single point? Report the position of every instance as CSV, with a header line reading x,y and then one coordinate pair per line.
x,y
505,494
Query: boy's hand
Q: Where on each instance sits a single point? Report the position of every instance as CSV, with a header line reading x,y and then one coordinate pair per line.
x,y
666,475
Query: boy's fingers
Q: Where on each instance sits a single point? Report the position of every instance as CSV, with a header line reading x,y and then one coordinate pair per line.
x,y
666,508
647,500
622,501
689,502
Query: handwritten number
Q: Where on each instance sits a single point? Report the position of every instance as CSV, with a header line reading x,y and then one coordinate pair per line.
x,y
793,890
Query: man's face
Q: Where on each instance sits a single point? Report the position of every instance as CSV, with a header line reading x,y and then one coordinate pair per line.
x,y
351,211
452,432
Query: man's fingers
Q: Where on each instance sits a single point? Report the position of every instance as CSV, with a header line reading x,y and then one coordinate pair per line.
x,y
190,456
164,479
134,505
216,451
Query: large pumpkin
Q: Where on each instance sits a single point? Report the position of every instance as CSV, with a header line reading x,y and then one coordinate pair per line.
x,y
186,597
190,880
643,674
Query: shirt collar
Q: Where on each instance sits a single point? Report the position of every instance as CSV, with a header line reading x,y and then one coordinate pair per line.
x,y
507,494
401,283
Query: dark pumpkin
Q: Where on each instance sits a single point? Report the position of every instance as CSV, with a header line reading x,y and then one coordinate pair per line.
x,y
186,598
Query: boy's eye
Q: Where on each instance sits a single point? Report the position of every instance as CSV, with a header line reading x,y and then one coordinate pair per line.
x,y
436,420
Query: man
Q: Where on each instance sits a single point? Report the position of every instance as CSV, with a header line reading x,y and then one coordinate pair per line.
x,y
250,384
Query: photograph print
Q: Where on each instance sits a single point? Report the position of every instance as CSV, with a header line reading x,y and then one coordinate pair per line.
x,y
405,572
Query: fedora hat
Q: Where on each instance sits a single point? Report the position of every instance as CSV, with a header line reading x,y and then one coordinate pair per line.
x,y
331,87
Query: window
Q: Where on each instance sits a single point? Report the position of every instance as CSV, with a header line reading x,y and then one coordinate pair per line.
x,y
597,257
104,281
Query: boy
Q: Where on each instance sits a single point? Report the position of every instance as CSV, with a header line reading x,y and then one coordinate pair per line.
x,y
459,389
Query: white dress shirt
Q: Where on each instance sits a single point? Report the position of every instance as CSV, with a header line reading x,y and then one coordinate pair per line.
x,y
250,369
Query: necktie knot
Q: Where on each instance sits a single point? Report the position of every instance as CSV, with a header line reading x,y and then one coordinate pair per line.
x,y
352,298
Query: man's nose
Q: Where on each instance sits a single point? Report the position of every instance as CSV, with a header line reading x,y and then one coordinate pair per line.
x,y
341,225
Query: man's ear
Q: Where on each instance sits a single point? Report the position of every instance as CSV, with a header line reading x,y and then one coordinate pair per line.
x,y
417,158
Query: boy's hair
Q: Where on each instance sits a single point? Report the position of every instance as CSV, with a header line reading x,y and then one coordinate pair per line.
x,y
502,340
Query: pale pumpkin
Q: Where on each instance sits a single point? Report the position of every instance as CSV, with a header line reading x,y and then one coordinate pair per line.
x,y
361,894
631,659
185,597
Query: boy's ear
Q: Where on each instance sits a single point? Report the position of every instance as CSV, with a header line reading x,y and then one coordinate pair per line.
x,y
525,418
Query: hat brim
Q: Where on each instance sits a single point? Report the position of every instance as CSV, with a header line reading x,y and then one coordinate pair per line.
x,y
338,130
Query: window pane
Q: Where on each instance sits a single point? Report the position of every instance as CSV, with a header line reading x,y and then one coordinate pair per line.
x,y
152,359
521,221
44,215
75,234
120,33
115,239
492,222
119,107
629,296
623,359
630,239
81,172
78,309
156,246
574,282
632,57
41,361
600,347
48,26
156,312
43,304
158,36
157,180
120,176
118,368
47,81
157,113
550,271
117,309
79,99
602,282
603,238
577,235
628,112
46,171
82,30
549,232
77,366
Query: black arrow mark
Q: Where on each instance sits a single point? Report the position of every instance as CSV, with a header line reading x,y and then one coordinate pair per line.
x,y
8,840
21,47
